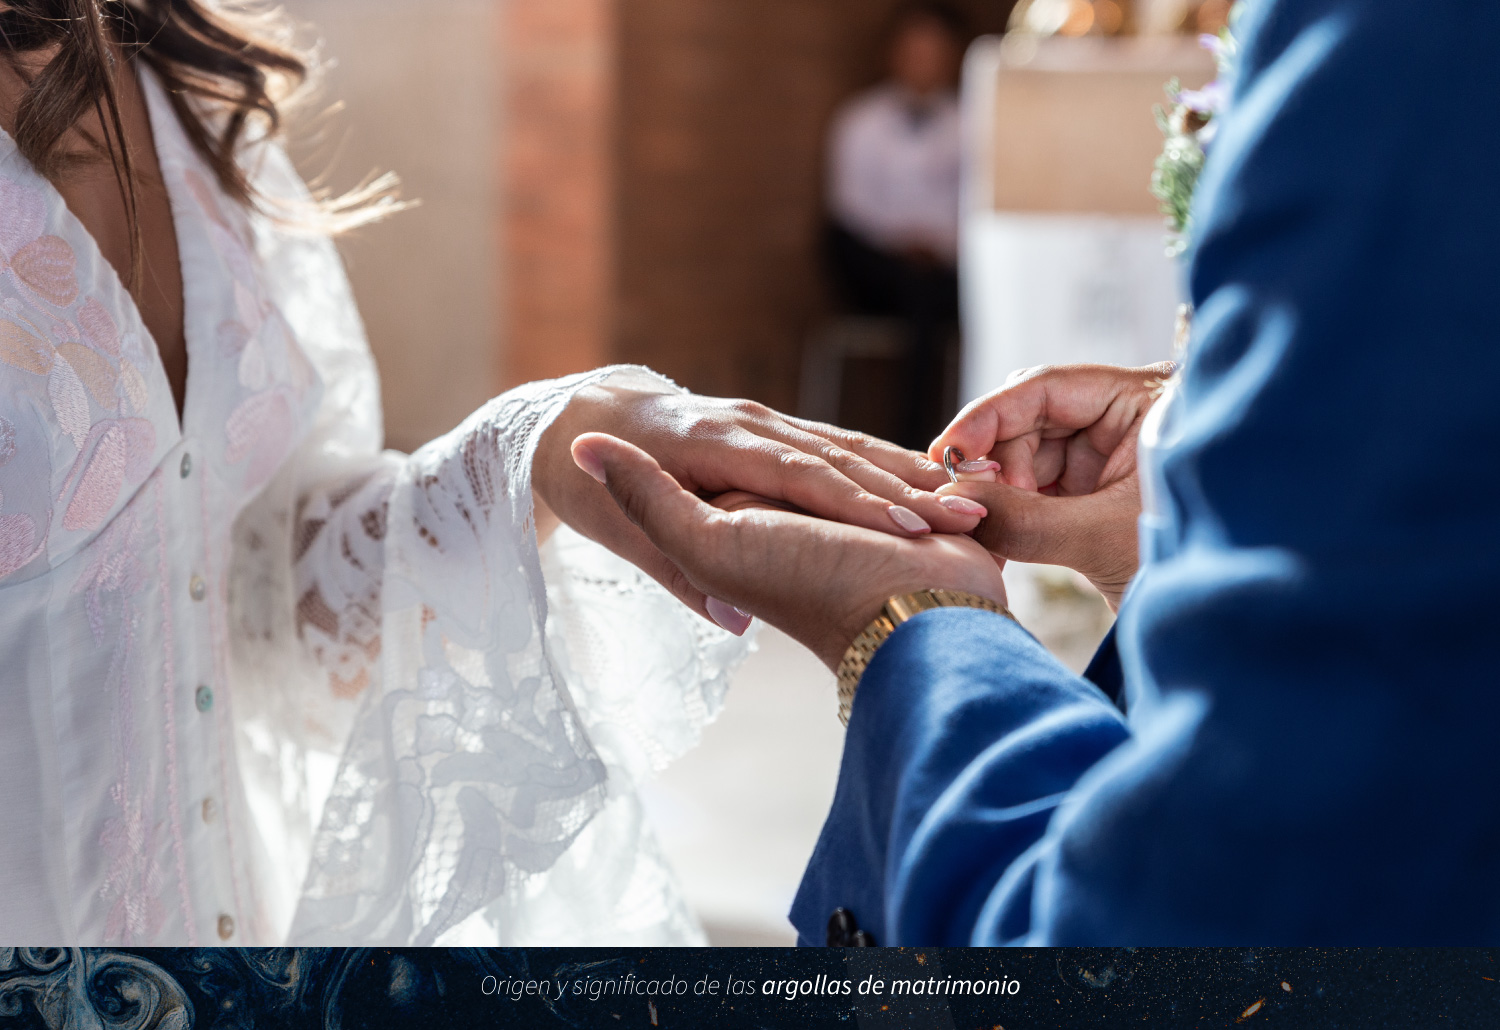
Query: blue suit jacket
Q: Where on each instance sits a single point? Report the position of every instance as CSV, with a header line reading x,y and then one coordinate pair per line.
x,y
1312,753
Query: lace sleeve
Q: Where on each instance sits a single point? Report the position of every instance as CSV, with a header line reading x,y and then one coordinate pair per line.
x,y
417,725
339,549
481,755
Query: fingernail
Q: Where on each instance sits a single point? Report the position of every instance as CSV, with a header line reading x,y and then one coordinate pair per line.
x,y
728,616
589,462
979,466
909,520
964,506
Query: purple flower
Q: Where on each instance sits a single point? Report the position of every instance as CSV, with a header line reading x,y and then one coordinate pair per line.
x,y
1208,100
1213,44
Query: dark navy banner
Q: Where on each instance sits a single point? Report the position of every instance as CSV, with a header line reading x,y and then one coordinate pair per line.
x,y
865,988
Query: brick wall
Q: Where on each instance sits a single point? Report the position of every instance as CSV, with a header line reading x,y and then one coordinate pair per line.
x,y
664,181
557,168
723,110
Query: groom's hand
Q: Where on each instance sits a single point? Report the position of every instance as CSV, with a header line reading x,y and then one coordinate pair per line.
x,y
1065,437
821,582
712,446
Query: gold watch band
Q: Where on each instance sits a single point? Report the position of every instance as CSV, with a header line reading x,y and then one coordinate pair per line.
x,y
893,613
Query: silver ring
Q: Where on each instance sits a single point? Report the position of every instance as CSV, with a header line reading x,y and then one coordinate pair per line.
x,y
952,458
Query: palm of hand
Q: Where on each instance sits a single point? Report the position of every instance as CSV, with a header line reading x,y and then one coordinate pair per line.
x,y
823,582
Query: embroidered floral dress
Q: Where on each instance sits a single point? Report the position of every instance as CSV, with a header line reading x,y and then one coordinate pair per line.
x,y
261,682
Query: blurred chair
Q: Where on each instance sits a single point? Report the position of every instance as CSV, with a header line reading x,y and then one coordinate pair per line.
x,y
1063,246
833,343
830,349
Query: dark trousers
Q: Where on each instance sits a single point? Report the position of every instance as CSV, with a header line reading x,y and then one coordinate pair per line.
x,y
921,293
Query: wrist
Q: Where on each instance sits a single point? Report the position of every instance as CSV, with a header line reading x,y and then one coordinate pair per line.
x,y
1111,575
895,612
853,623
554,475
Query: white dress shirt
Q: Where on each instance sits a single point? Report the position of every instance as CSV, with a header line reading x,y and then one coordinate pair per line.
x,y
893,165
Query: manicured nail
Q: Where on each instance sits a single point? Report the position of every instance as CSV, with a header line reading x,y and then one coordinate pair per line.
x,y
589,462
909,520
728,616
979,466
964,506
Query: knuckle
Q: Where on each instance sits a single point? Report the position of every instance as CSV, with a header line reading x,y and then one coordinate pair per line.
x,y
1022,375
720,534
837,456
678,583
634,505
797,462
752,410
852,439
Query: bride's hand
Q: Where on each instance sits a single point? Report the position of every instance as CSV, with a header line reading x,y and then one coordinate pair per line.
x,y
1065,437
712,446
821,582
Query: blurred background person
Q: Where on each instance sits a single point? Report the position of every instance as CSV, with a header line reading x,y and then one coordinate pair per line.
x,y
894,160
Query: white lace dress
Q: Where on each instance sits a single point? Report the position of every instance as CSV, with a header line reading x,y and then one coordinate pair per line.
x,y
261,682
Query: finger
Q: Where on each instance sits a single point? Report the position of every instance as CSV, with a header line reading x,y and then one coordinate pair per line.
x,y
821,471
879,468
1065,397
943,517
650,498
743,500
1019,408
1050,461
1017,459
911,467
1094,534
1082,466
985,471
817,480
1022,526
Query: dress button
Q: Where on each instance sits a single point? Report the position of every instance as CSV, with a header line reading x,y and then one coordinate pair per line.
x,y
203,697
226,927
186,468
197,588
841,927
844,931
210,810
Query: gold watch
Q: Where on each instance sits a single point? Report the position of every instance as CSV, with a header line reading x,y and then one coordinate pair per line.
x,y
892,614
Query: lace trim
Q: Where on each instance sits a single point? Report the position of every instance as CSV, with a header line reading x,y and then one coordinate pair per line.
x,y
479,753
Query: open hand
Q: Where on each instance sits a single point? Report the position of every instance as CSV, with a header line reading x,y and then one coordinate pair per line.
x,y
819,581
710,446
1065,438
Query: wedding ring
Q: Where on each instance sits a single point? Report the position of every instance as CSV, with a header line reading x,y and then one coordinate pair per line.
x,y
952,458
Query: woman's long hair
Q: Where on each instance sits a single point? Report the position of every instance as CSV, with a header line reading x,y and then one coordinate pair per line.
x,y
224,63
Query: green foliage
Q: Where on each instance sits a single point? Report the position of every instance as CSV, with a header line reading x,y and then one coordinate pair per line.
x,y
1175,175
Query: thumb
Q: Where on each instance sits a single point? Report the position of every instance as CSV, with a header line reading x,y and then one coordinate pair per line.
x,y
1091,533
662,540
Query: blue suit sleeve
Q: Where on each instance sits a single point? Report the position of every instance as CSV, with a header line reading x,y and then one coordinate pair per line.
x,y
1308,648
965,736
